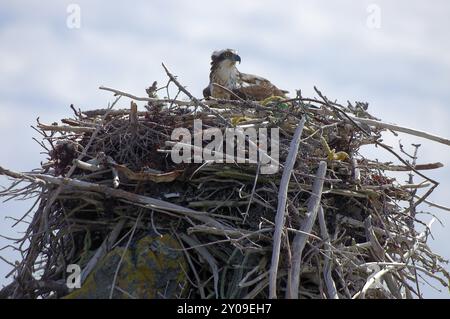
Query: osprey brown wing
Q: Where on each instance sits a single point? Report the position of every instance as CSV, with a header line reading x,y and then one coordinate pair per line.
x,y
257,88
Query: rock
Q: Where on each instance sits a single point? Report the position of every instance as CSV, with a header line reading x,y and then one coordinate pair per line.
x,y
154,267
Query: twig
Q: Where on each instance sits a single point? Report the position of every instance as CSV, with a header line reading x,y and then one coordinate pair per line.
x,y
252,193
194,99
137,98
228,91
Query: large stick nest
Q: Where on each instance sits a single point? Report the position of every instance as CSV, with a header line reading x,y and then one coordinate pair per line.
x,y
334,226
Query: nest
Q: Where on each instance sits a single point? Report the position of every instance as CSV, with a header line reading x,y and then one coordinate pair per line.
x,y
329,223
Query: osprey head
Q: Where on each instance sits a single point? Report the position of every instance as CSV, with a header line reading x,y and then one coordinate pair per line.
x,y
223,73
227,56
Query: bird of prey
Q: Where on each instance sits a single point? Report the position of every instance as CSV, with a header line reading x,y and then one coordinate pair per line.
x,y
226,82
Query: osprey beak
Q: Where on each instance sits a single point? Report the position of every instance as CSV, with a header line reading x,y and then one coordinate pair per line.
x,y
237,58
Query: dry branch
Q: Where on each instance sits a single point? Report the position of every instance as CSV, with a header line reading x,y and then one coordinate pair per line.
x,y
328,260
397,128
300,239
281,210
381,125
66,128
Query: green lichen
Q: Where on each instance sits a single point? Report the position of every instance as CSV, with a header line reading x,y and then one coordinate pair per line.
x,y
152,268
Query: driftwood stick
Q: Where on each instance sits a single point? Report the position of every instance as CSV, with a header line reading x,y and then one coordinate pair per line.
x,y
381,125
112,113
66,128
281,210
300,239
16,175
435,205
401,168
73,122
327,263
91,167
142,99
356,172
402,129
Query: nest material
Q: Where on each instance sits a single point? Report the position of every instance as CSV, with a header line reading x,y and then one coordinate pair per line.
x,y
329,224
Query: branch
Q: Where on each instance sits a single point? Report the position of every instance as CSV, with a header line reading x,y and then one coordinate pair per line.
x,y
66,128
381,125
143,99
329,282
397,128
281,211
300,239
402,168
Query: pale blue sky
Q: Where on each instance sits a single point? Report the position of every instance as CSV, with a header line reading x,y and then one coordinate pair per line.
x,y
402,68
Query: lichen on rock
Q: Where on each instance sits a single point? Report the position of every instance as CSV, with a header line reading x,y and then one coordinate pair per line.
x,y
152,267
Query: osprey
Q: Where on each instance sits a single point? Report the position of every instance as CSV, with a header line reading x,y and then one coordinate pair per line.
x,y
224,74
